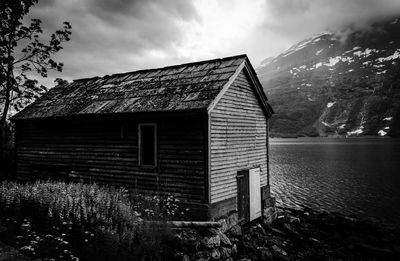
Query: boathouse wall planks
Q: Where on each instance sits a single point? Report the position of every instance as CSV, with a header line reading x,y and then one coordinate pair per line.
x,y
210,120
238,138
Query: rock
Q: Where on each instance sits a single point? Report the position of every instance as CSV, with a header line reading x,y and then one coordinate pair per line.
x,y
225,252
204,255
264,253
235,231
212,232
211,242
294,220
261,229
215,254
315,240
278,232
233,240
234,250
278,250
257,229
225,241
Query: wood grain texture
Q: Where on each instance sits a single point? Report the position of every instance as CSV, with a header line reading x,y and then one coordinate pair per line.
x,y
238,131
96,150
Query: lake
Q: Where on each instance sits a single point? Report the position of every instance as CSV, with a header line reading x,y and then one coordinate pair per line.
x,y
352,176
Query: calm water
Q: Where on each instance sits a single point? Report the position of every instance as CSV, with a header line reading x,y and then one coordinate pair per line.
x,y
352,176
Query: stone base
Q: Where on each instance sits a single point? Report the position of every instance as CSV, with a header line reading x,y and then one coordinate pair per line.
x,y
228,221
269,211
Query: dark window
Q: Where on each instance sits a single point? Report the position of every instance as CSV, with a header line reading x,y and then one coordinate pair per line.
x,y
147,144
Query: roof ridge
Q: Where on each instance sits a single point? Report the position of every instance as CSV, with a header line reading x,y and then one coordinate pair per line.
x,y
165,67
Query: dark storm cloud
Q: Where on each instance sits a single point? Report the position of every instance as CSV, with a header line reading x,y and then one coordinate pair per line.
x,y
141,9
296,19
110,36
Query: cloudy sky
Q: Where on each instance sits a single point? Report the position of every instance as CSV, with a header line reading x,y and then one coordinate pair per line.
x,y
110,36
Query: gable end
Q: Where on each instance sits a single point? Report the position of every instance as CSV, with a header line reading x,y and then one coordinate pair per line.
x,y
260,94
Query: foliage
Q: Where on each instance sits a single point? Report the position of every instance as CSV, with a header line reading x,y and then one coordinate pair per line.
x,y
56,219
23,51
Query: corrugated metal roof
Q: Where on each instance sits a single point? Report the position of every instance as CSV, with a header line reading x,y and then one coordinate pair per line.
x,y
180,87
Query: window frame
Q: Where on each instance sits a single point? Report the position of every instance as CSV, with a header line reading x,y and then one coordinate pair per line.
x,y
140,157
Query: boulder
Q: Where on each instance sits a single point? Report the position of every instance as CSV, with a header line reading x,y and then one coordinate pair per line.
x,y
278,251
235,231
234,250
264,254
211,232
225,252
211,242
204,255
294,220
225,241
215,254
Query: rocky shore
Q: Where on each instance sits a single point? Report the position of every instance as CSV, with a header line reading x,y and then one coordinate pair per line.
x,y
294,235
303,234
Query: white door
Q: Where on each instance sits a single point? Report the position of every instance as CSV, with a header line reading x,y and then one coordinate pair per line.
x,y
255,193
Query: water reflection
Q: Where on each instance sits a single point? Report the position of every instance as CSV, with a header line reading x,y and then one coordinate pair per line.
x,y
352,176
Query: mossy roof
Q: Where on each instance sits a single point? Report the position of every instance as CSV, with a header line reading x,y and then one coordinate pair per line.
x,y
181,87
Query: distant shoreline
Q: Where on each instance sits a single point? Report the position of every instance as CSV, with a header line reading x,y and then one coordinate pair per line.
x,y
332,137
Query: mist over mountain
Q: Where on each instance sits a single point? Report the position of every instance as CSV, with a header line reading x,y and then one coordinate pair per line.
x,y
343,83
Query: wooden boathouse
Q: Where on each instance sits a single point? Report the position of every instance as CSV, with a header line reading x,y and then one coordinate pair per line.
x,y
196,130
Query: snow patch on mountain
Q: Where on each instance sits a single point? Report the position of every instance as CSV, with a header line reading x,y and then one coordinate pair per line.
x,y
382,133
367,52
395,55
330,104
356,132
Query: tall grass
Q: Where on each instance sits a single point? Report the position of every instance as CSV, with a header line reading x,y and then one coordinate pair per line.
x,y
113,214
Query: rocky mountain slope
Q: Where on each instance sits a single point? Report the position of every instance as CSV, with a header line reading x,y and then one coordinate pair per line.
x,y
337,84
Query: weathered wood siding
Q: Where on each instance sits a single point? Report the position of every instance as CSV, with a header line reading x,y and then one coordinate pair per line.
x,y
105,150
238,133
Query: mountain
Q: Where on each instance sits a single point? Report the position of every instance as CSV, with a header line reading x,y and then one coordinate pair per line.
x,y
343,83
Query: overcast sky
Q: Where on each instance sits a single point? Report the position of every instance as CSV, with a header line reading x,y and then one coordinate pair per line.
x,y
110,36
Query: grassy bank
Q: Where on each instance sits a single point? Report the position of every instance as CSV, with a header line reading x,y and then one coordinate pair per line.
x,y
83,221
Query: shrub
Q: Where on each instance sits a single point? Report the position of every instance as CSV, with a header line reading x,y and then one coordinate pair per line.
x,y
83,220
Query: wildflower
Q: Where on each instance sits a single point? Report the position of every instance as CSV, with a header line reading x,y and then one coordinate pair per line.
x,y
28,248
